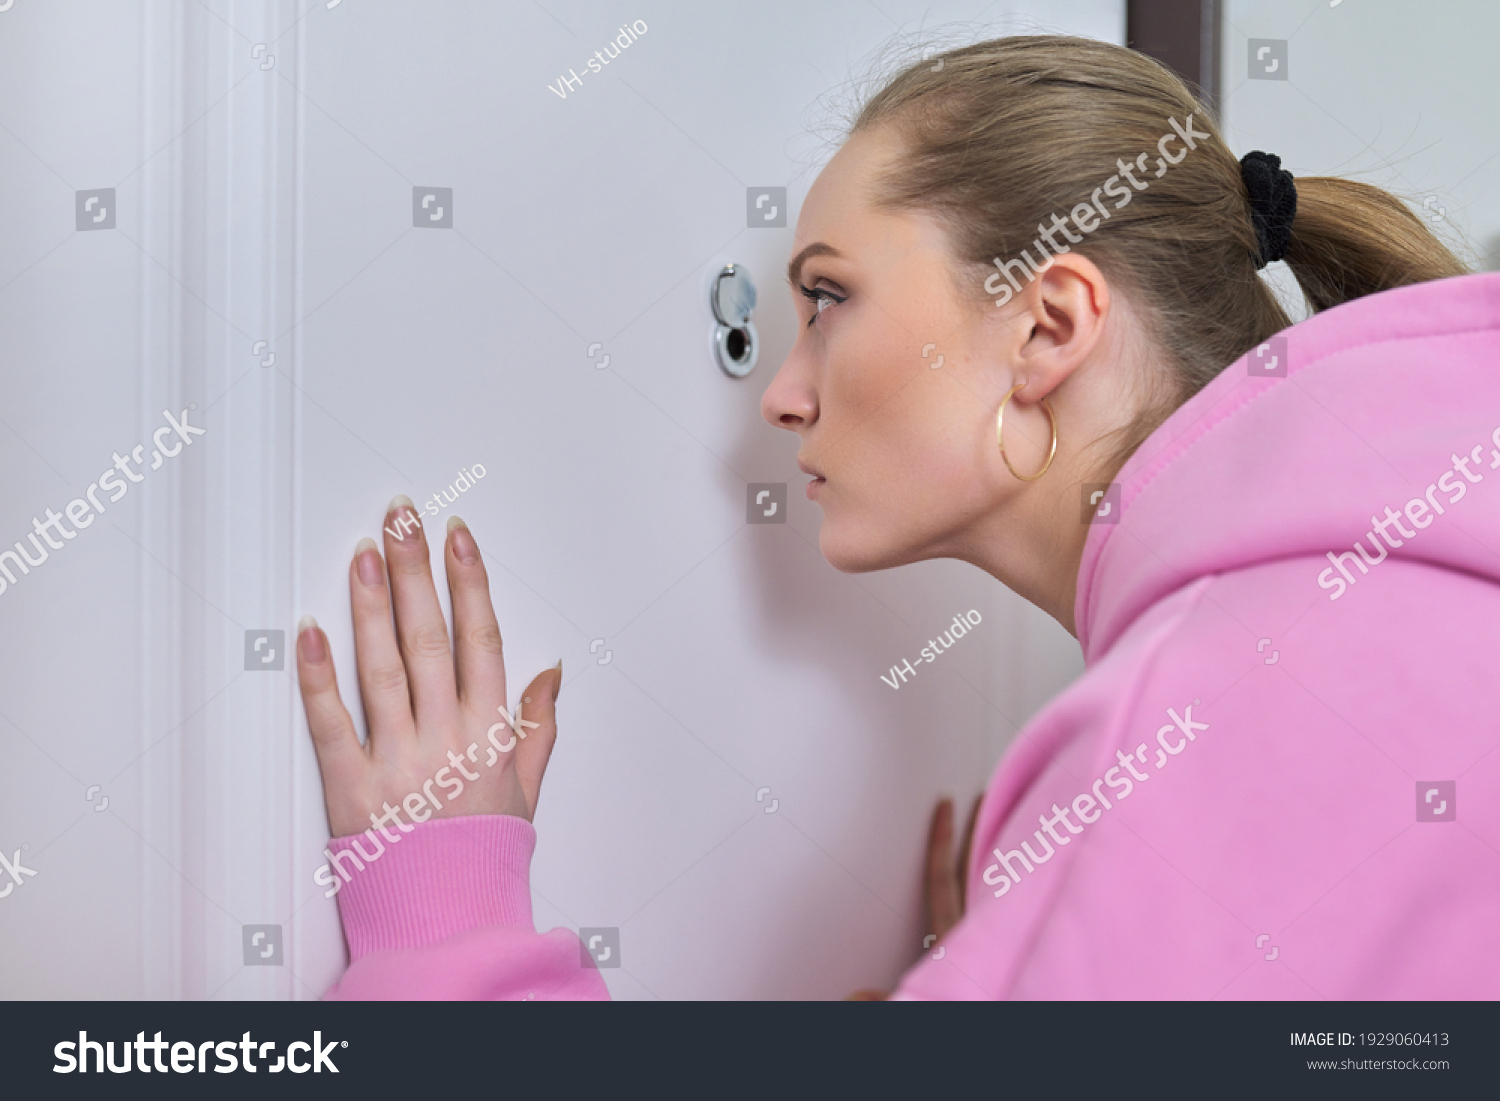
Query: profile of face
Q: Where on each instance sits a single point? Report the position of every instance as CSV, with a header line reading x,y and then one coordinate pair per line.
x,y
900,364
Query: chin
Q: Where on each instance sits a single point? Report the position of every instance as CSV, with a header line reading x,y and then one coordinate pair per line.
x,y
853,552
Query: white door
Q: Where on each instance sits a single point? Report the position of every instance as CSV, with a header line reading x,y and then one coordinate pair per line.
x,y
366,245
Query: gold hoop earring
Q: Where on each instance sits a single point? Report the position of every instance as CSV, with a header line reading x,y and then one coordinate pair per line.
x,y
1000,436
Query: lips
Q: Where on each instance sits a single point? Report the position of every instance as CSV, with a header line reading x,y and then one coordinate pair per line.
x,y
817,480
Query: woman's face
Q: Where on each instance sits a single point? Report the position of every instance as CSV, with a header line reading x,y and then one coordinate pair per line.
x,y
895,376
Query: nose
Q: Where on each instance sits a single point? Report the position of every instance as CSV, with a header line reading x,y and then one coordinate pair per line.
x,y
789,402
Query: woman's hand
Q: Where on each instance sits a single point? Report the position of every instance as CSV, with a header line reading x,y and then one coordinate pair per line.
x,y
942,881
943,876
440,743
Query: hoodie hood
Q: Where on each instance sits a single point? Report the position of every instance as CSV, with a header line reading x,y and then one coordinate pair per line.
x,y
1381,439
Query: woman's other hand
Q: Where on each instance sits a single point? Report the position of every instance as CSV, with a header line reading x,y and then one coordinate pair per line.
x,y
439,743
944,877
942,881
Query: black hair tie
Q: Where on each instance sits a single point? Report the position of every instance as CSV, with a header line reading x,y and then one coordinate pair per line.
x,y
1273,203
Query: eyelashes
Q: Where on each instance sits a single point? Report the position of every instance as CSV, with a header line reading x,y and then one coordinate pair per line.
x,y
821,298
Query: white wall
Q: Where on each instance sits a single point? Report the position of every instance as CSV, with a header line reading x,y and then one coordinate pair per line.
x,y
1393,94
273,203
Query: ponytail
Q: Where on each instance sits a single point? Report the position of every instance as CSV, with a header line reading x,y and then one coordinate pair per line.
x,y
1350,239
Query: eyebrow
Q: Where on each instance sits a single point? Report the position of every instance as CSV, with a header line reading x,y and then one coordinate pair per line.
x,y
817,248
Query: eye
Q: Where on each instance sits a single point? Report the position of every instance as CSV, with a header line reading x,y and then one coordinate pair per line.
x,y
821,298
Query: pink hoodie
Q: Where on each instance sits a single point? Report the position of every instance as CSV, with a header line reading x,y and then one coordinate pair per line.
x,y
1275,779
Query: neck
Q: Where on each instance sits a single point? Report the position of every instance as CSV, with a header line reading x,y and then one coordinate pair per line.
x,y
1034,547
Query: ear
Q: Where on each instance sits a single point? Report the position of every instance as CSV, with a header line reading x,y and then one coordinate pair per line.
x,y
1061,320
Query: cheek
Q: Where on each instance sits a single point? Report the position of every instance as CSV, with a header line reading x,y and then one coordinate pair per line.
x,y
915,453
870,376
901,433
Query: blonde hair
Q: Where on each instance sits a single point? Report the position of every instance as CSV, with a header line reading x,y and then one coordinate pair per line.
x,y
1004,133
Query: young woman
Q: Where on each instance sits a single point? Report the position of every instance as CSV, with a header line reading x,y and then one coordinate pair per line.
x,y
1276,777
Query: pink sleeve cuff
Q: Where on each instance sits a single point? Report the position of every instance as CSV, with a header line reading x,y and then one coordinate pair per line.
x,y
447,876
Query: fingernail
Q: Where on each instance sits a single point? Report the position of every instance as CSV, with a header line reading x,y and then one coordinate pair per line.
x,y
464,547
557,685
310,646
399,502
367,560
